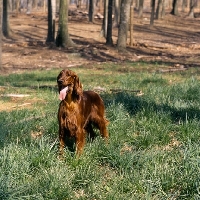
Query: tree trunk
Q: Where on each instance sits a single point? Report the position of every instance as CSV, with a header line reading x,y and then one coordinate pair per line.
x,y
123,25
163,9
152,13
158,9
137,4
109,29
6,25
140,13
0,36
105,20
34,4
175,8
91,11
63,38
116,16
18,7
193,4
184,5
51,20
100,6
29,7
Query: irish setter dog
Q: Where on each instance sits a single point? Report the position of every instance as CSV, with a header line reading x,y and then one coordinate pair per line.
x,y
78,111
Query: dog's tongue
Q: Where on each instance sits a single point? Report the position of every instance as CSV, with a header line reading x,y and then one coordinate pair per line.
x,y
63,93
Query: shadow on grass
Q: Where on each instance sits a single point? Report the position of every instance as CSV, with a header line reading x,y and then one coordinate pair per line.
x,y
135,104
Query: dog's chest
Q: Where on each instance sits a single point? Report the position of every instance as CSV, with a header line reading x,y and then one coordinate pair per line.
x,y
69,116
68,109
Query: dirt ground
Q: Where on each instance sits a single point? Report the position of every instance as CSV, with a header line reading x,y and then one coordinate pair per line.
x,y
173,40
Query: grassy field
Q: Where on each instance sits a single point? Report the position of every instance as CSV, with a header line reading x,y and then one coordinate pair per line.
x,y
154,145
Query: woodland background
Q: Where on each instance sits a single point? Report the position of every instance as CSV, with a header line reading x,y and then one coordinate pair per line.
x,y
31,29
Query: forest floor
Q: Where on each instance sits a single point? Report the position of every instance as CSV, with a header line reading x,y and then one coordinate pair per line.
x,y
174,40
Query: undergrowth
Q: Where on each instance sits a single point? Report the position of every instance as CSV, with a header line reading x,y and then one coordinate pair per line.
x,y
153,150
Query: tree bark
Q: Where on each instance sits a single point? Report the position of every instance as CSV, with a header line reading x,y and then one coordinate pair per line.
x,y
184,5
193,4
63,39
18,7
1,35
140,13
123,25
91,11
163,9
51,20
175,8
29,7
159,9
105,20
6,25
100,6
109,28
152,13
116,15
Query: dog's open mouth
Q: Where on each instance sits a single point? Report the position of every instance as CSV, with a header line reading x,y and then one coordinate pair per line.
x,y
63,93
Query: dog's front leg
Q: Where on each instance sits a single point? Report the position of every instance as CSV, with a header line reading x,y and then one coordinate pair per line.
x,y
61,140
80,142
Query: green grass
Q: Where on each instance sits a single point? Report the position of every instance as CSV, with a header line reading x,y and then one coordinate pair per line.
x,y
154,145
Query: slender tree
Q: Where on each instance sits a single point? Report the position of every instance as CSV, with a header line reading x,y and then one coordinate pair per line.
x,y
140,13
109,29
116,13
153,3
105,20
158,9
175,8
29,6
63,39
0,35
5,23
91,11
163,9
184,5
123,24
193,4
51,20
18,7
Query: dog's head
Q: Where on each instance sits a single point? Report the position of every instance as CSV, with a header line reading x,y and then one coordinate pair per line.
x,y
68,83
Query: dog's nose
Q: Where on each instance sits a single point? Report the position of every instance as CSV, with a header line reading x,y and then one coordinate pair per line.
x,y
60,81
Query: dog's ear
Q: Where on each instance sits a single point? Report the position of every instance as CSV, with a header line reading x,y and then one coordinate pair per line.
x,y
78,89
59,80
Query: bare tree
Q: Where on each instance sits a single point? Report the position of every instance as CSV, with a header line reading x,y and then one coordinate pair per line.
x,y
184,5
63,39
159,9
51,20
175,8
18,7
163,9
105,20
140,13
35,4
123,24
29,6
109,29
193,4
116,13
91,11
5,23
0,35
153,3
